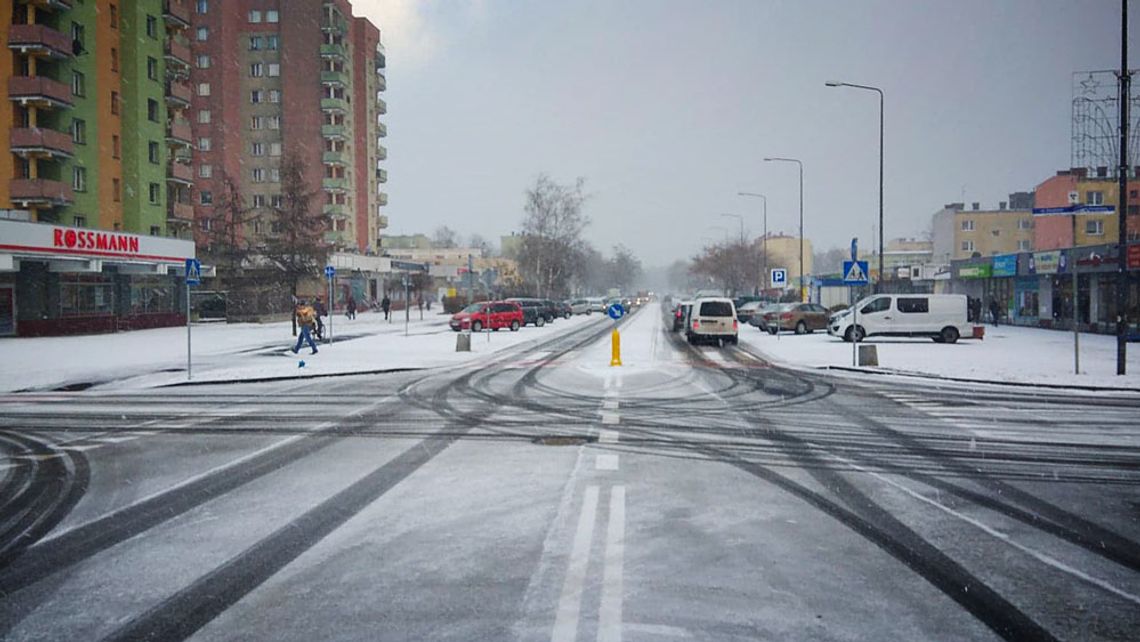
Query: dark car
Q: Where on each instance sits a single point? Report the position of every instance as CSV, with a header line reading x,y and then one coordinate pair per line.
x,y
534,311
681,315
559,309
745,311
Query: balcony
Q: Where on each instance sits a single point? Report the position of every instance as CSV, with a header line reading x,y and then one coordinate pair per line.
x,y
382,222
36,141
177,94
334,158
179,133
40,191
382,199
334,184
337,77
381,82
333,131
177,53
39,91
381,130
334,104
335,211
381,152
381,175
57,5
180,173
337,51
179,212
176,13
39,40
381,106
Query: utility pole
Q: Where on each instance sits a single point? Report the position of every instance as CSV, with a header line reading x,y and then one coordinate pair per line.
x,y
1125,85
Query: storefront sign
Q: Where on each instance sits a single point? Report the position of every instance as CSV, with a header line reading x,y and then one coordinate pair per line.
x,y
975,271
38,239
93,240
1134,257
1045,262
1005,265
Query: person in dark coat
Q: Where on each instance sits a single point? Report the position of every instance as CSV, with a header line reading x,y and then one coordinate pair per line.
x,y
995,311
350,308
321,311
386,305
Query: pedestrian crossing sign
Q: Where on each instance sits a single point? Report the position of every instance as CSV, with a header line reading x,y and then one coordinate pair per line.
x,y
855,273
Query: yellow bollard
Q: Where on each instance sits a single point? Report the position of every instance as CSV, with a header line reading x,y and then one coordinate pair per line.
x,y
615,340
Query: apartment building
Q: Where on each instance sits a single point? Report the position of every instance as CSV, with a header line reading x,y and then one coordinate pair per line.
x,y
1092,216
992,232
279,78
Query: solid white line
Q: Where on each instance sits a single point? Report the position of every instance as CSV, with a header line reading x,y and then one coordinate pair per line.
x,y
83,448
116,440
658,630
606,462
1004,537
609,612
608,437
570,604
610,418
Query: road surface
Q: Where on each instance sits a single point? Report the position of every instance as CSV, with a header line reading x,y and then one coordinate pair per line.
x,y
692,494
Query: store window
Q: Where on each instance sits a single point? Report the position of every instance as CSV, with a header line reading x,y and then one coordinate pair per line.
x,y
151,296
85,295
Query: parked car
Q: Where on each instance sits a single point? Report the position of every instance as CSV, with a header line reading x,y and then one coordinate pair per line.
x,y
491,315
555,310
597,304
942,317
564,308
681,315
713,320
579,306
534,311
801,318
745,312
765,317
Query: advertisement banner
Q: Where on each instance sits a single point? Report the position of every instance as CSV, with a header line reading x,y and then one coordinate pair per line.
x,y
1045,262
1005,265
1134,257
975,272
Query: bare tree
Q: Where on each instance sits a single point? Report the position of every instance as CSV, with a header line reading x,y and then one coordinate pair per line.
x,y
477,241
552,234
734,265
625,268
444,237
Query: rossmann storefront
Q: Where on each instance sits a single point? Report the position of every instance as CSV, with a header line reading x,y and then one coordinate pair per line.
x,y
57,280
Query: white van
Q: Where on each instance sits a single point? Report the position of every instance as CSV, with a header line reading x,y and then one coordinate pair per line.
x,y
939,316
712,319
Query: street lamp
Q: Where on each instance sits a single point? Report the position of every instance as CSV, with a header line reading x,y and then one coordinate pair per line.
x,y
741,219
801,167
836,83
764,243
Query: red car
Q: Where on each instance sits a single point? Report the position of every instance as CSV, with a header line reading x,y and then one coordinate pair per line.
x,y
488,315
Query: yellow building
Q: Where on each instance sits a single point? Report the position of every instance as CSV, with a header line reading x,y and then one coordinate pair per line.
x,y
784,252
992,232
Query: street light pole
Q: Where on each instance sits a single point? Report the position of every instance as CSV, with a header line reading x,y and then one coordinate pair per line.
x,y
764,242
835,83
801,167
741,219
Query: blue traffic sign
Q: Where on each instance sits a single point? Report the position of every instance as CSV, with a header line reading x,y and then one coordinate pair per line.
x,y
193,272
330,271
855,273
779,276
616,311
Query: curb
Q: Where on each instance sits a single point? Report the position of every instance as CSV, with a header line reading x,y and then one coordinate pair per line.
x,y
988,382
326,375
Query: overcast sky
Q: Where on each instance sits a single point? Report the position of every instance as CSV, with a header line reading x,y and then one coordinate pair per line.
x,y
667,109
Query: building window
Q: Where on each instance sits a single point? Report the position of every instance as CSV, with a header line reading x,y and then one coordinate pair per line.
x,y
78,131
203,6
1024,224
116,194
274,122
968,225
1023,245
78,84
256,122
1133,210
203,61
255,16
273,70
256,70
1094,228
1133,193
114,60
205,223
257,149
116,146
1094,198
155,193
204,144
205,171
271,42
203,89
967,246
151,68
203,34
257,226
78,33
114,15
152,110
79,221
155,230
274,149
259,200
152,152
206,197
274,95
274,174
152,26
271,15
257,175
254,43
275,201
79,179
204,116
255,96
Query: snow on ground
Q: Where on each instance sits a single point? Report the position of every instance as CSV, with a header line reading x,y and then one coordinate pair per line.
x,y
1007,354
242,351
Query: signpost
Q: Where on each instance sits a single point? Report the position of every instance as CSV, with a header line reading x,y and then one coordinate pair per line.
x,y
616,312
193,277
854,273
779,277
330,274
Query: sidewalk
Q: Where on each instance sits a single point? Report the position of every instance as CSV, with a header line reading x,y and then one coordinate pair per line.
x,y
1008,354
241,351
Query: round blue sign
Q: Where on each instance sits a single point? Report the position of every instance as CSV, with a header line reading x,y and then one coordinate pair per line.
x,y
616,311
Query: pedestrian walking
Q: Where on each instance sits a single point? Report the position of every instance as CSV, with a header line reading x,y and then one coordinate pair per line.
x,y
995,311
386,305
321,311
306,318
350,308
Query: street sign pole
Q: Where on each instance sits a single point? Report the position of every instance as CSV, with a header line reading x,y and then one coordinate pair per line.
x,y
855,273
407,301
330,274
188,374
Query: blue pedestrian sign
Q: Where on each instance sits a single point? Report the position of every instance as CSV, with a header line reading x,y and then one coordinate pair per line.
x,y
779,276
855,273
330,271
193,272
616,311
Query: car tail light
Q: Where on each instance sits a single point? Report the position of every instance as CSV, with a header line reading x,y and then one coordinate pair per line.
x,y
696,324
787,316
735,325
678,314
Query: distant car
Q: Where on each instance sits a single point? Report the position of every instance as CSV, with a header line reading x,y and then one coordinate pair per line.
x,y
490,315
556,310
534,311
564,306
597,304
713,320
744,312
765,317
801,318
681,315
580,306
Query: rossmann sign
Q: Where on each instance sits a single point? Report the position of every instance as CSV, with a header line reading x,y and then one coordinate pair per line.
x,y
24,239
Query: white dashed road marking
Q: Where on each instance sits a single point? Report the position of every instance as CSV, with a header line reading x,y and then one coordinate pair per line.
x,y
570,604
606,462
609,612
608,437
